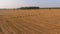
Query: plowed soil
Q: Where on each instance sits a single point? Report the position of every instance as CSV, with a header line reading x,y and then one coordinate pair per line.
x,y
39,21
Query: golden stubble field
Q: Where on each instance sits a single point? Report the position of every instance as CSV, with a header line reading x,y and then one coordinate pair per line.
x,y
39,21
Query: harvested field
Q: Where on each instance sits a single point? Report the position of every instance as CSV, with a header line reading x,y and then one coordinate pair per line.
x,y
39,21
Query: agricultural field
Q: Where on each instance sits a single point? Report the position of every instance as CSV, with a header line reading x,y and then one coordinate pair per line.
x,y
38,21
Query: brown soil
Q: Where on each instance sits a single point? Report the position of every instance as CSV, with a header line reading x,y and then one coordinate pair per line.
x,y
40,21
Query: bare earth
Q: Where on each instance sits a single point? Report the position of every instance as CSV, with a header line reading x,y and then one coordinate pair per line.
x,y
40,21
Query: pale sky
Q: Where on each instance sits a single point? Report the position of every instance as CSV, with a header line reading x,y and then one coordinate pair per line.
x,y
20,3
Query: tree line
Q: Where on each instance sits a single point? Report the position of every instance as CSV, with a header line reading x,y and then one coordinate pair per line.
x,y
29,8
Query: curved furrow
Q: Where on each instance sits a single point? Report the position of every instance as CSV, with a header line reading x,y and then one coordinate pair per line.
x,y
16,29
23,29
34,27
29,29
27,26
1,31
20,28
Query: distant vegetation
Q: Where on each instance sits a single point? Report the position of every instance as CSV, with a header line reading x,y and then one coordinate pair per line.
x,y
39,8
29,8
32,7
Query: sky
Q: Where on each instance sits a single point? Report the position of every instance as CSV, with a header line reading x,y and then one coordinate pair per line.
x,y
23,3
